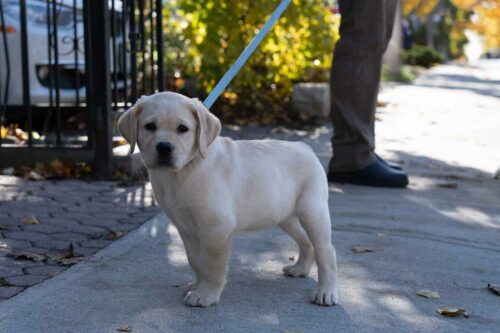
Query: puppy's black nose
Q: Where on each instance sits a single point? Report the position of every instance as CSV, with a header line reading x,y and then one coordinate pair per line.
x,y
165,148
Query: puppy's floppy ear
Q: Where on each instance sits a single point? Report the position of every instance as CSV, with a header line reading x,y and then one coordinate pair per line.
x,y
127,124
208,128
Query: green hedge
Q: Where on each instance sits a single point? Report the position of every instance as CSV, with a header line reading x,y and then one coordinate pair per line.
x,y
206,36
420,55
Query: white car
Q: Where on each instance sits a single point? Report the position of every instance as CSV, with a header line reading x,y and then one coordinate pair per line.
x,y
70,72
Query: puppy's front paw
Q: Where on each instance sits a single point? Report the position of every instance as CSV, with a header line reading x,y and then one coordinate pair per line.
x,y
201,297
325,297
190,286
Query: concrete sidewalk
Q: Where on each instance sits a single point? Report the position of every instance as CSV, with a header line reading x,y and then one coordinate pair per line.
x,y
441,234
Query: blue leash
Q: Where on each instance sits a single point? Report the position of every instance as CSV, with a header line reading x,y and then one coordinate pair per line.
x,y
242,59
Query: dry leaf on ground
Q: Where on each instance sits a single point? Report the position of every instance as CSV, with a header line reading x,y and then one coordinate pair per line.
x,y
69,261
450,311
29,219
67,258
448,185
361,249
26,255
428,294
4,283
494,288
112,235
33,175
127,328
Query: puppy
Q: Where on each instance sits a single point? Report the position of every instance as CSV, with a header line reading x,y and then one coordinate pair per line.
x,y
212,187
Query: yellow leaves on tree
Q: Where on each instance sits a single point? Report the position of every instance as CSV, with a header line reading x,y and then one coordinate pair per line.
x,y
422,8
216,32
487,21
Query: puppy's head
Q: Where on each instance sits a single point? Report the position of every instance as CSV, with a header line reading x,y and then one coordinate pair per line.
x,y
170,129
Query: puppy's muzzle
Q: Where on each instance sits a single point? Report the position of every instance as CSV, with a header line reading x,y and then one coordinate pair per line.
x,y
165,152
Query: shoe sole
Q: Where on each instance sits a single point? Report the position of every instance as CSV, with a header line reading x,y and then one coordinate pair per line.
x,y
350,179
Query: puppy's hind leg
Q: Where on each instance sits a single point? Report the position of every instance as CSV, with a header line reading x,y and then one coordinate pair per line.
x,y
315,218
306,252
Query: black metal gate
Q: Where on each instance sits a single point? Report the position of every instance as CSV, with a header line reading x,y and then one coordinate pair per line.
x,y
66,68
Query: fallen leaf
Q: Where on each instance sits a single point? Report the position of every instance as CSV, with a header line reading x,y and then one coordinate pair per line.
x,y
21,134
61,259
448,185
4,283
113,235
449,311
428,294
127,328
382,104
494,288
26,255
67,258
69,261
33,175
57,166
360,249
29,219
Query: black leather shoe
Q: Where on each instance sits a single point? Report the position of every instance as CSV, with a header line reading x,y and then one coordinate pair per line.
x,y
392,165
377,174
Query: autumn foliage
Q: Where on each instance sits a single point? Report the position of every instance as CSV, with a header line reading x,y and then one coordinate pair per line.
x,y
484,18
212,35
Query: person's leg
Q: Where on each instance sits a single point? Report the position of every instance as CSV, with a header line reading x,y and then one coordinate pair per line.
x,y
365,31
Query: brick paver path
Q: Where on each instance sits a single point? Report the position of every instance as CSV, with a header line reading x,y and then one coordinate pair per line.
x,y
88,215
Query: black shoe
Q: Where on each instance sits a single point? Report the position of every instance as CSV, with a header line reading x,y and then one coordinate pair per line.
x,y
392,165
377,174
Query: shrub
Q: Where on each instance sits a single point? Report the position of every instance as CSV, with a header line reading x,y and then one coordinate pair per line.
x,y
214,33
406,74
422,56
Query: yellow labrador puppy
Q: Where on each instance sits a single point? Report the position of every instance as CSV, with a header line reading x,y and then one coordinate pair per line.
x,y
212,187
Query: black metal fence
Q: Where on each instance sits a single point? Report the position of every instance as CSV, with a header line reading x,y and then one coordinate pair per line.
x,y
66,67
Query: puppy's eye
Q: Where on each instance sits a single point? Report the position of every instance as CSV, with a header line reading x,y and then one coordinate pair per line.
x,y
182,129
150,127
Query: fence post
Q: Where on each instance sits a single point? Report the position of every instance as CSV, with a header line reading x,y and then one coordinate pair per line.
x,y
159,45
25,70
97,39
